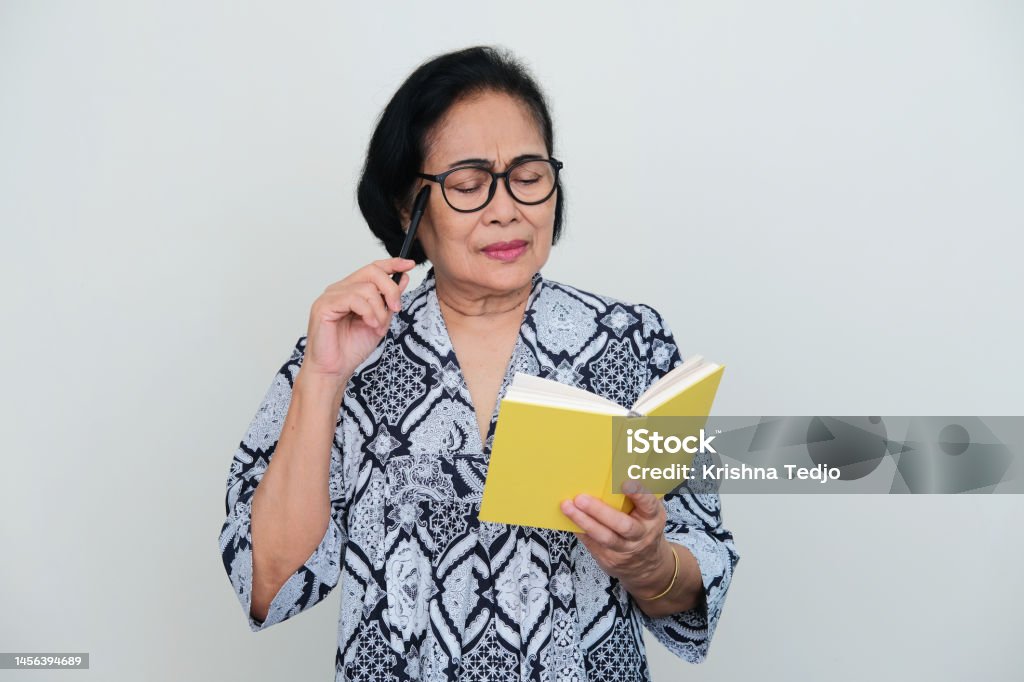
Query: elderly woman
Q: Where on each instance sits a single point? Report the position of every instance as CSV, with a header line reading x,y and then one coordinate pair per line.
x,y
365,463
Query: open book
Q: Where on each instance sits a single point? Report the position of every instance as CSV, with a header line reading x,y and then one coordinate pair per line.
x,y
553,442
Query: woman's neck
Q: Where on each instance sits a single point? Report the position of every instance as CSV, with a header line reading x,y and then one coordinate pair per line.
x,y
463,307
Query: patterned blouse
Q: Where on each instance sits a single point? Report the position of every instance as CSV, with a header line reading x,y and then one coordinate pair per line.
x,y
428,591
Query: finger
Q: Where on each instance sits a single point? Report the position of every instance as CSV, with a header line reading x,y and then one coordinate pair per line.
x,y
377,304
361,307
388,265
594,528
645,505
369,290
403,282
623,524
589,543
334,305
396,264
386,286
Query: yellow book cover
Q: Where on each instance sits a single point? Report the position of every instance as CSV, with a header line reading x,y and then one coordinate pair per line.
x,y
553,442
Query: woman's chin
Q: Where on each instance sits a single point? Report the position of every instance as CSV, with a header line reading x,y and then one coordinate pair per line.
x,y
494,275
508,275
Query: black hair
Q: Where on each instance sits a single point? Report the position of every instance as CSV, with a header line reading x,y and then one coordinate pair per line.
x,y
398,144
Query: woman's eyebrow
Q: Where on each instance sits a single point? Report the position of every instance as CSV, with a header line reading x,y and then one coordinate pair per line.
x,y
489,163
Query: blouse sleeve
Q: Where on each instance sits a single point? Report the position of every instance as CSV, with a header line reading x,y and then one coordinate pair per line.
x,y
312,581
694,522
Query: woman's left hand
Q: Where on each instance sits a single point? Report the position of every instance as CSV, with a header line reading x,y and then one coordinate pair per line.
x,y
633,547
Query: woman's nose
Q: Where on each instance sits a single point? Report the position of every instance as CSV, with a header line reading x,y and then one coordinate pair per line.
x,y
502,207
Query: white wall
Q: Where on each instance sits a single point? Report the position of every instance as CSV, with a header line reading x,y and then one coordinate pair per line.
x,y
824,196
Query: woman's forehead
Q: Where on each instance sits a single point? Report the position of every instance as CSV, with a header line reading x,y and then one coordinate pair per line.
x,y
491,126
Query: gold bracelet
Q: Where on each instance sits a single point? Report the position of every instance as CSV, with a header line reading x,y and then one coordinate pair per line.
x,y
675,574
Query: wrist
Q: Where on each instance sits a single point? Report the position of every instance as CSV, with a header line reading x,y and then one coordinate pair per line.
x,y
320,386
661,577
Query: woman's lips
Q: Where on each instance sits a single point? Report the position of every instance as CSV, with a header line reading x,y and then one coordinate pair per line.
x,y
505,251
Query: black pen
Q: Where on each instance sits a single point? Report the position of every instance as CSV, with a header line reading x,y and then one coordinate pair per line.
x,y
417,212
410,235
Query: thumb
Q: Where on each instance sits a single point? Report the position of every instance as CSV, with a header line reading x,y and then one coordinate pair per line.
x,y
645,504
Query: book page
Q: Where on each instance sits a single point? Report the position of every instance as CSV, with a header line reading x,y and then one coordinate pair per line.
x,y
532,390
692,371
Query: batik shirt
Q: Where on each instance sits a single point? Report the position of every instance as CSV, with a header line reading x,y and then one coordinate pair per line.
x,y
430,592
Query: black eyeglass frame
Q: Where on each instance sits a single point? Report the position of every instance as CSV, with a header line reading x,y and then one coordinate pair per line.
x,y
439,179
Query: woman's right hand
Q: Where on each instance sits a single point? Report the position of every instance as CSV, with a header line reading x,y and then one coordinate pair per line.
x,y
350,318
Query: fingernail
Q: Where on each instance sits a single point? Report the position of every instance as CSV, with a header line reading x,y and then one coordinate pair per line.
x,y
631,487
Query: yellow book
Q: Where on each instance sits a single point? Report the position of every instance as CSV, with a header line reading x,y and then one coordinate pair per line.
x,y
553,442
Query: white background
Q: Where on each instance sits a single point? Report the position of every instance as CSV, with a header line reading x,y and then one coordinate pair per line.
x,y
826,197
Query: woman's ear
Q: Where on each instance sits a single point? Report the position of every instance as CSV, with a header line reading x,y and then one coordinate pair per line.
x,y
404,208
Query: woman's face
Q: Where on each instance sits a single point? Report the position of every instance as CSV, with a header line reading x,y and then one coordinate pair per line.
x,y
497,249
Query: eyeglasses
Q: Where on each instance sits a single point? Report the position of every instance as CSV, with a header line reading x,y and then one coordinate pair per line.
x,y
470,188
